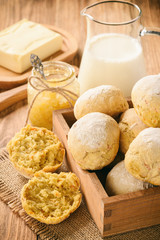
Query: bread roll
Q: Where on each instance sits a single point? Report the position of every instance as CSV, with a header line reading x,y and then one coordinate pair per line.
x,y
105,99
146,100
94,140
130,126
51,198
142,159
120,181
33,149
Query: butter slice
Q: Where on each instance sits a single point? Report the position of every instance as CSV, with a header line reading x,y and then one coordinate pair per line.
x,y
18,41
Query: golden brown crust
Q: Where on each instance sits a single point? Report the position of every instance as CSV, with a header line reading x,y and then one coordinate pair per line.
x,y
34,149
51,198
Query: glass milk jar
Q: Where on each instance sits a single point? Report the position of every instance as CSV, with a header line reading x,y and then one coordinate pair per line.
x,y
113,53
59,90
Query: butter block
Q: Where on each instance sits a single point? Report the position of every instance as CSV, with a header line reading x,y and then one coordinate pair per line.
x,y
18,41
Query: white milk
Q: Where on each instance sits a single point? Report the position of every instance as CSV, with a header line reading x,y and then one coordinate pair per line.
x,y
112,59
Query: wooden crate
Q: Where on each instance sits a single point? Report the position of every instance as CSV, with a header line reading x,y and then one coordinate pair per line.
x,y
116,214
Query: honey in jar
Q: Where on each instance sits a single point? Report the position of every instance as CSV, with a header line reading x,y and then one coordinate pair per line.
x,y
58,75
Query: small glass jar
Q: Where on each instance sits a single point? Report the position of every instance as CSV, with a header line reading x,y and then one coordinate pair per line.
x,y
58,74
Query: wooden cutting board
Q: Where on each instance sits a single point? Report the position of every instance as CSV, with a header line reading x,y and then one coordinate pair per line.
x,y
9,79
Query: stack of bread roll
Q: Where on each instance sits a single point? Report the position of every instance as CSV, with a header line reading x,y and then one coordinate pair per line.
x,y
105,125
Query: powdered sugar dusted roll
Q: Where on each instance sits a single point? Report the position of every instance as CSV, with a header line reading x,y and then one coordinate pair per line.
x,y
142,159
94,140
120,181
105,99
146,100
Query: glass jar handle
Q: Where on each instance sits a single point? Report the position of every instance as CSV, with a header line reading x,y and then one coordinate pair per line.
x,y
149,31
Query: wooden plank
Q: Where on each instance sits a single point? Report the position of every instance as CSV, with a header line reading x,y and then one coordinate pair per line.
x,y
10,231
12,96
11,124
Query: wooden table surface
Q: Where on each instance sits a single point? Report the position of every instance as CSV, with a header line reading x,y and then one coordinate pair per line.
x,y
66,15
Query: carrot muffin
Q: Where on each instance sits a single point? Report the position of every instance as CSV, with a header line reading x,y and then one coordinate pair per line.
x,y
50,197
33,149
